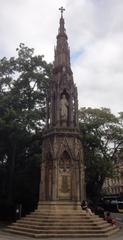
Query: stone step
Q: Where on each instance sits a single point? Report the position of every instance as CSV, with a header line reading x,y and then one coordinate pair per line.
x,y
50,219
47,227
61,218
43,225
56,208
56,230
70,221
61,221
57,203
59,213
63,235
89,225
72,208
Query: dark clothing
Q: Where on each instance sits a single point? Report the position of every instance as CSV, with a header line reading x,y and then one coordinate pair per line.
x,y
100,212
84,205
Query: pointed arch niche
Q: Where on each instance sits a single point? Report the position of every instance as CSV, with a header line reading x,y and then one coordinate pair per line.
x,y
64,176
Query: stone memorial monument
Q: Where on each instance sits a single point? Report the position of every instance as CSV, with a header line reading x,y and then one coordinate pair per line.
x,y
62,186
62,169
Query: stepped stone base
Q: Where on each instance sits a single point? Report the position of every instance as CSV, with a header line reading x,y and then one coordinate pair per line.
x,y
61,219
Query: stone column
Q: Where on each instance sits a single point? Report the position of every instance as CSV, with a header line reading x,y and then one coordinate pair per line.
x,y
42,183
57,110
77,181
54,182
82,182
76,106
71,111
51,110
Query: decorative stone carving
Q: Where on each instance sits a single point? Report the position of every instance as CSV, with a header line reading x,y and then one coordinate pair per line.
x,y
62,169
64,110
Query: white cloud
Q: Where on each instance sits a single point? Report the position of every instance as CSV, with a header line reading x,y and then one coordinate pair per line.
x,y
95,31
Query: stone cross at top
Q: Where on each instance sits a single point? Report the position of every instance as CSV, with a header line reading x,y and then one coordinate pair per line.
x,y
62,10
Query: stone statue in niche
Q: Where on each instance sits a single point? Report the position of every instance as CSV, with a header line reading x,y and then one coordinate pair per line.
x,y
64,108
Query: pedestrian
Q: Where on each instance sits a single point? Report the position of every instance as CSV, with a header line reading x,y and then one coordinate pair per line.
x,y
85,207
110,219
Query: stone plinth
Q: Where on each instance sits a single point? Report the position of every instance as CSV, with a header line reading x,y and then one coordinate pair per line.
x,y
61,220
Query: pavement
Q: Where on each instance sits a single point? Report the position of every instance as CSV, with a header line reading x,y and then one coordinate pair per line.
x,y
118,217
8,236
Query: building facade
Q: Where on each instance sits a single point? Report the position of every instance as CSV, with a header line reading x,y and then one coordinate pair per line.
x,y
114,185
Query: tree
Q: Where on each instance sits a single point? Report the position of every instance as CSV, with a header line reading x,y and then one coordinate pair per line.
x,y
24,82
102,136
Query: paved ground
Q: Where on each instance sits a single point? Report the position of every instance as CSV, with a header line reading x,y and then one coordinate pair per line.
x,y
6,236
118,217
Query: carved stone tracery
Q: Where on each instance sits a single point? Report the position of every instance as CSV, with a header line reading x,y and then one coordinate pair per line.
x,y
62,170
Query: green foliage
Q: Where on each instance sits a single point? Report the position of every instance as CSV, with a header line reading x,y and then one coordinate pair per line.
x,y
102,136
24,81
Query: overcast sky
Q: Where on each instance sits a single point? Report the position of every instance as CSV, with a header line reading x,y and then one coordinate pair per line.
x,y
95,33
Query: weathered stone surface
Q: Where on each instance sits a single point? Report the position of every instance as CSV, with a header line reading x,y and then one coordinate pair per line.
x,y
61,220
62,169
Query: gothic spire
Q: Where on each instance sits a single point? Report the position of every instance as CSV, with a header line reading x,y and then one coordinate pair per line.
x,y
62,52
62,101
